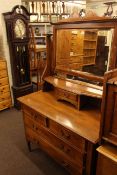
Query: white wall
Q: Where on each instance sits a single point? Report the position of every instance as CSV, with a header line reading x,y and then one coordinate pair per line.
x,y
6,6
100,8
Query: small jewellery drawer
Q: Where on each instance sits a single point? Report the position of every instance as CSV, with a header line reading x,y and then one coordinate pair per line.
x,y
3,73
4,89
4,81
34,115
67,135
54,152
60,93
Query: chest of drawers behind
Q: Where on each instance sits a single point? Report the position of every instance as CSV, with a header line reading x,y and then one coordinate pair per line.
x,y
5,96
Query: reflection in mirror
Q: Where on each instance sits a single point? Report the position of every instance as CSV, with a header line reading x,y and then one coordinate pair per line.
x,y
84,50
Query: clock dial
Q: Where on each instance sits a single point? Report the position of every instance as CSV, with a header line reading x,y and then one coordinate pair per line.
x,y
20,29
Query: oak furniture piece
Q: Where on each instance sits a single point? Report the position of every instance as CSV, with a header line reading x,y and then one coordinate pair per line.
x,y
5,95
64,118
76,93
107,152
18,38
66,134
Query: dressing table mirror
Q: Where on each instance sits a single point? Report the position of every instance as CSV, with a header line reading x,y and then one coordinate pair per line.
x,y
83,50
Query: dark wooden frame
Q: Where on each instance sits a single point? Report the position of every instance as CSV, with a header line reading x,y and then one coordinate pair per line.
x,y
19,59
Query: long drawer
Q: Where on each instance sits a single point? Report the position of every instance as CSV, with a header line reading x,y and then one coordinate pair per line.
x,y
67,135
53,152
65,148
60,131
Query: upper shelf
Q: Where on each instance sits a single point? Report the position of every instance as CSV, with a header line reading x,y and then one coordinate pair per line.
x,y
80,88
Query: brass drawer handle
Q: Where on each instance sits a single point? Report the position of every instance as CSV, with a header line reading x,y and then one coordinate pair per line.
x,y
35,116
65,135
34,127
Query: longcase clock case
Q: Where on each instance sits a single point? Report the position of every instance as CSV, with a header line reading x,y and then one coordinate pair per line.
x,y
18,38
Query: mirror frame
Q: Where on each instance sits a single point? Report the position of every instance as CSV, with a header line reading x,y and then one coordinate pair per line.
x,y
102,23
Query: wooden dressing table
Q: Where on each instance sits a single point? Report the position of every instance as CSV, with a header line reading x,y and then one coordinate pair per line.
x,y
68,135
64,118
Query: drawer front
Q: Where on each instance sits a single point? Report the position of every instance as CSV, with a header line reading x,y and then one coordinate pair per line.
x,y
5,96
2,65
53,152
65,94
4,81
68,150
3,73
67,135
5,104
4,89
34,117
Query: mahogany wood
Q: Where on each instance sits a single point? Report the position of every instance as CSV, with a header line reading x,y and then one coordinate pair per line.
x,y
18,38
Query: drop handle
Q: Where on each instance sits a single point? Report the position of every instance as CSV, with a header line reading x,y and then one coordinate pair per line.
x,y
35,127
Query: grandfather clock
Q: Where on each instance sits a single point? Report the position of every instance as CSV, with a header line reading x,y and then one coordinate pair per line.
x,y
18,38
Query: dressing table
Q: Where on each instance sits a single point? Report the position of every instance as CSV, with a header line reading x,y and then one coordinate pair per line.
x,y
64,118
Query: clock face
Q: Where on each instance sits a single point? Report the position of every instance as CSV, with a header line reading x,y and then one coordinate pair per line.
x,y
20,29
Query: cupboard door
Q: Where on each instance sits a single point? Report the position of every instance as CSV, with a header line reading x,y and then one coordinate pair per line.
x,y
110,116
